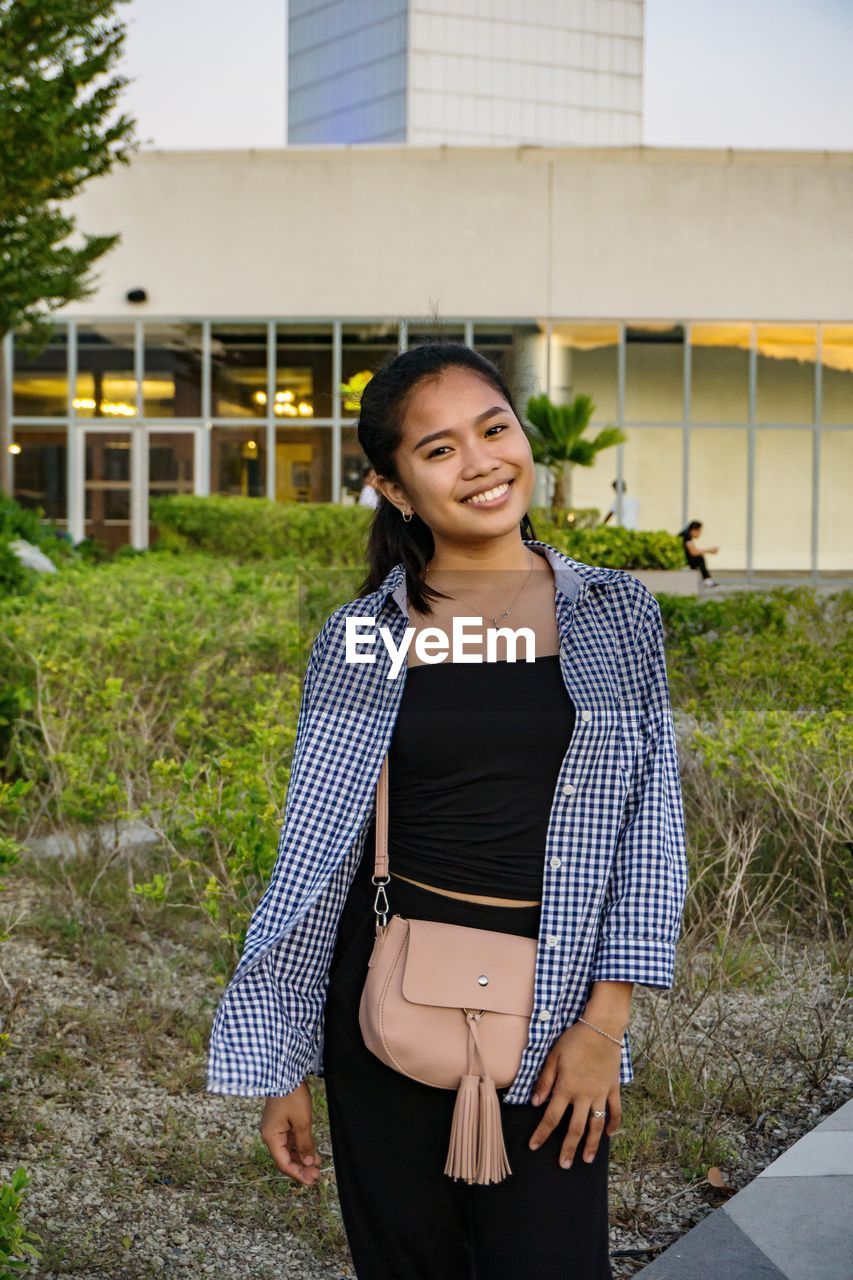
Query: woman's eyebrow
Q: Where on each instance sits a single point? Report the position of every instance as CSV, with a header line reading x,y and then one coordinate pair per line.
x,y
450,431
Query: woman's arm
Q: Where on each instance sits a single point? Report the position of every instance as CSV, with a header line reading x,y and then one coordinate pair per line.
x,y
640,920
641,914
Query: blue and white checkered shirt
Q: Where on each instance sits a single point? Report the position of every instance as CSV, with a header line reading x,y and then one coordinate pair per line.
x,y
615,869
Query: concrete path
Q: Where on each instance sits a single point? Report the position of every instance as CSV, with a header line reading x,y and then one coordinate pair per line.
x,y
793,1222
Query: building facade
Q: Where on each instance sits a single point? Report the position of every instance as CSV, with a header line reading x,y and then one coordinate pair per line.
x,y
477,72
701,298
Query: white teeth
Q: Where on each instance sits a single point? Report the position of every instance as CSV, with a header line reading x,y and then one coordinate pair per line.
x,y
489,495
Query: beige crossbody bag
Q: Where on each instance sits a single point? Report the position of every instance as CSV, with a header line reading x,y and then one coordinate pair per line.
x,y
449,1006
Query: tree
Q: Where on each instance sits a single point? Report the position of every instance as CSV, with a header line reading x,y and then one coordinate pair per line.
x,y
59,126
556,441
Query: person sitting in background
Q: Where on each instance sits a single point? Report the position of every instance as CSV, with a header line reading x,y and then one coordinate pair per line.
x,y
696,554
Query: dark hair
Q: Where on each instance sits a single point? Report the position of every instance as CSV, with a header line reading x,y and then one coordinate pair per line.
x,y
380,430
688,528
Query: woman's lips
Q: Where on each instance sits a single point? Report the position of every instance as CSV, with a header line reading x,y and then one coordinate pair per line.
x,y
497,501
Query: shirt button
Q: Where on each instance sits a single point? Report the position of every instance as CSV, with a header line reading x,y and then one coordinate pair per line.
x,y
544,1015
586,715
568,789
556,862
551,940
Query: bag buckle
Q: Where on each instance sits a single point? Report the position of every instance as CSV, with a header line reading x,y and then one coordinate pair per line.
x,y
381,911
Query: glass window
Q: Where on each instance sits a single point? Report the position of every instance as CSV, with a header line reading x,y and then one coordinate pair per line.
x,y
303,464
238,461
419,333
654,372
652,460
106,382
837,360
354,466
303,375
719,377
783,500
173,359
170,461
238,370
717,489
40,382
585,361
365,349
835,519
785,376
520,352
39,458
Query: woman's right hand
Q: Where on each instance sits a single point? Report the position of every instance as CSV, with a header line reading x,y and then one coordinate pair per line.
x,y
286,1130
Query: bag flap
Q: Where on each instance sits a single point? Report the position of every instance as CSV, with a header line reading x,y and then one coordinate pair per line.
x,y
444,962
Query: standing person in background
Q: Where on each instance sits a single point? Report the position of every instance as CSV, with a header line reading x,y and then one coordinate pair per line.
x,y
630,509
696,554
539,798
369,496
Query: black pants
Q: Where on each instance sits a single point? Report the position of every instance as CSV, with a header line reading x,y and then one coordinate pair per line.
x,y
405,1219
698,562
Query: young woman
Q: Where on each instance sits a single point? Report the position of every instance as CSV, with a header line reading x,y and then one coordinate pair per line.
x,y
695,554
537,797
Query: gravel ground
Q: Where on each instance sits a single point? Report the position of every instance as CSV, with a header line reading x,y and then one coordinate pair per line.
x,y
137,1173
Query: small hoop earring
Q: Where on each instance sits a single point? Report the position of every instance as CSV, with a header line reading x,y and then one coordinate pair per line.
x,y
408,517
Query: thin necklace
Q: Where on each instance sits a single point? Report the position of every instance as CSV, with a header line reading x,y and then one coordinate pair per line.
x,y
517,594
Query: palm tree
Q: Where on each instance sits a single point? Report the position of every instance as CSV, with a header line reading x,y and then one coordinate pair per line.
x,y
556,441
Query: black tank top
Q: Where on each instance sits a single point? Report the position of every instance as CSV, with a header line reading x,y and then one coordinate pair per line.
x,y
473,764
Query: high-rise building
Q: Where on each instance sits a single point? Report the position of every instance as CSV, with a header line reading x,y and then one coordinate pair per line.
x,y
472,72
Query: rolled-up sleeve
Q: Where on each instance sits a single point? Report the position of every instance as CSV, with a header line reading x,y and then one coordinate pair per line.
x,y
265,1034
641,914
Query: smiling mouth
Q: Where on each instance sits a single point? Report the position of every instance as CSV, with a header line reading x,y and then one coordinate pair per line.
x,y
490,495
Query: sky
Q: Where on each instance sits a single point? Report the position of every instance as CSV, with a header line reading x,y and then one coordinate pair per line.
x,y
718,73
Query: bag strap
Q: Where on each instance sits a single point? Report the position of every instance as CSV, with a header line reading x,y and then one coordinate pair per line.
x,y
381,856
380,866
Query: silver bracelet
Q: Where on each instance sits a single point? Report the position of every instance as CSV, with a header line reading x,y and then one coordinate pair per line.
x,y
600,1032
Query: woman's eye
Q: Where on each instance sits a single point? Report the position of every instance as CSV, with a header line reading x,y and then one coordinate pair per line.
x,y
498,426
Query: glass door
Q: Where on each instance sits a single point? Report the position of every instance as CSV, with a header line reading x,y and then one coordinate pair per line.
x,y
171,466
106,486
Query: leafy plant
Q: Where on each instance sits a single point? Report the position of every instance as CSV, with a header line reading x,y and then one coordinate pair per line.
x,y
59,127
557,440
17,1242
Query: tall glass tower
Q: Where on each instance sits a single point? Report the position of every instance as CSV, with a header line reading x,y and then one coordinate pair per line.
x,y
472,72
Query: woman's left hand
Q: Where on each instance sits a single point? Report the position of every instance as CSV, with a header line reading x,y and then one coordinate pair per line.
x,y
582,1068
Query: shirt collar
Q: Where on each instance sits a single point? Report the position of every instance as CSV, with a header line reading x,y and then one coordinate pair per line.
x,y
571,577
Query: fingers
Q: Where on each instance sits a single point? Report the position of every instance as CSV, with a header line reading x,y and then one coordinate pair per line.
x,y
284,1149
286,1130
596,1129
545,1083
550,1119
304,1142
574,1133
614,1107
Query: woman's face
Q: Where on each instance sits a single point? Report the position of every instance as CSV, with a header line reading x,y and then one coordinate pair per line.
x,y
460,438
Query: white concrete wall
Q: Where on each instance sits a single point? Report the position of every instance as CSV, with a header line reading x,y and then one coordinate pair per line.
x,y
482,232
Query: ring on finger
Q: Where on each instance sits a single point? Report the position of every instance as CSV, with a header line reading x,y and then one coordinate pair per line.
x,y
599,1114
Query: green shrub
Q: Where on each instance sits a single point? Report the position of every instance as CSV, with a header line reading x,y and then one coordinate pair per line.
x,y
166,687
15,578
17,1243
325,533
322,533
27,523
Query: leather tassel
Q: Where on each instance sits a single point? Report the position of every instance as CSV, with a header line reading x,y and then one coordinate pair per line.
x,y
492,1159
464,1131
